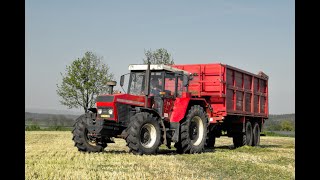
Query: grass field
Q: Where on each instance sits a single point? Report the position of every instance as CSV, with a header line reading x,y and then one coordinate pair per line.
x,y
52,155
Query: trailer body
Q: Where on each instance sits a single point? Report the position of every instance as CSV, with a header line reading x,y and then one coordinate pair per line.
x,y
229,90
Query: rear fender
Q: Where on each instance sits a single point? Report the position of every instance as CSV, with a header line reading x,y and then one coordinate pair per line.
x,y
179,109
181,105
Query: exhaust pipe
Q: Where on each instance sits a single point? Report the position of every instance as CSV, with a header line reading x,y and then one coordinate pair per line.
x,y
110,85
147,89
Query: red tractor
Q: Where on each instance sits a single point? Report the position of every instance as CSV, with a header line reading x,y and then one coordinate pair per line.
x,y
189,105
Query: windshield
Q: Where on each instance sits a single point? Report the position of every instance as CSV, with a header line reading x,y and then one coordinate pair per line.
x,y
137,83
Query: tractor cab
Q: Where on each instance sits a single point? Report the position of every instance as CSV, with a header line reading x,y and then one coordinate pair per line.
x,y
164,84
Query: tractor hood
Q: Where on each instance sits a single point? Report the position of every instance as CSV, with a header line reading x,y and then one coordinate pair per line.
x,y
116,107
109,100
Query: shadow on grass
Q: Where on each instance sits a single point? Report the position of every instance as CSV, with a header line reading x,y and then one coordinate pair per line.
x,y
206,150
224,147
116,152
270,146
167,152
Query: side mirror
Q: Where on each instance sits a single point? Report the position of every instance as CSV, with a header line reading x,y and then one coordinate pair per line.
x,y
121,80
185,81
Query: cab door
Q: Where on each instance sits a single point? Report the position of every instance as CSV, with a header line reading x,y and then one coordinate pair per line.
x,y
173,89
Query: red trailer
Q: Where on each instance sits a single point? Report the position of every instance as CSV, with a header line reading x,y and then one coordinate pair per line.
x,y
187,104
236,96
229,90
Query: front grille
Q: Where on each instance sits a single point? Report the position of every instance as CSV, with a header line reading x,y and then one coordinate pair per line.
x,y
123,113
105,99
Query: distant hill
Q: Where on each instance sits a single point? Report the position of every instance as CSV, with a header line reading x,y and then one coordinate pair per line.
x,y
279,117
274,121
47,120
53,111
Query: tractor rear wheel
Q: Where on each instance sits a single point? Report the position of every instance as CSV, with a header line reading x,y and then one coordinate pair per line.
x,y
193,131
144,134
178,147
84,141
256,135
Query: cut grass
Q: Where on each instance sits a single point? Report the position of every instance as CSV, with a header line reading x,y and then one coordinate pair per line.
x,y
52,155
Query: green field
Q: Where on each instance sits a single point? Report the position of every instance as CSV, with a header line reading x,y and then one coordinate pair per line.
x,y
52,155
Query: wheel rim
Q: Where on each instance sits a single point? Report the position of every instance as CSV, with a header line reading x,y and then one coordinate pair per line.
x,y
196,130
90,140
148,135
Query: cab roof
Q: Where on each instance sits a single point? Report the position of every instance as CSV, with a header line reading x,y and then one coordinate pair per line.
x,y
135,67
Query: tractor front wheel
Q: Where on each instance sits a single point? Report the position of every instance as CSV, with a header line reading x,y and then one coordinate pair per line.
x,y
85,141
144,134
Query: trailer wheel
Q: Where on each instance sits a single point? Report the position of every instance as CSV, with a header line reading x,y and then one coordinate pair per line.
x,y
193,131
256,135
249,133
241,139
144,134
211,140
83,140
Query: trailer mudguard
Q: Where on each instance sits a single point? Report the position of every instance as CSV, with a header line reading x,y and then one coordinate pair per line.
x,y
179,109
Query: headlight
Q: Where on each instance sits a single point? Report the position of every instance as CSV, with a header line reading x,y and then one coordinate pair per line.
x,y
99,111
110,111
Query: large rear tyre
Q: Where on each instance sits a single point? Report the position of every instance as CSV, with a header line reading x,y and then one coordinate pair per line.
x,y
241,139
144,134
178,147
193,131
256,135
83,140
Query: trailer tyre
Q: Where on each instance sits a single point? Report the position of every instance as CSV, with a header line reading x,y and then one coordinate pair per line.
x,y
256,135
211,140
249,133
144,134
193,133
241,139
83,141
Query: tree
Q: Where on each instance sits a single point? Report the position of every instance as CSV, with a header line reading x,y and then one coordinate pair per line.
x,y
83,80
286,125
159,56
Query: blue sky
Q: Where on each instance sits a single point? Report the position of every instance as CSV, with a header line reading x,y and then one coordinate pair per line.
x,y
251,35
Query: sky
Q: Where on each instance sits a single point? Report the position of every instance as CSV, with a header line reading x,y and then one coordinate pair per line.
x,y
250,35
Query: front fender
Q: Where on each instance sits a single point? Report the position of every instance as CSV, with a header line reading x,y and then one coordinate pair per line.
x,y
150,110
